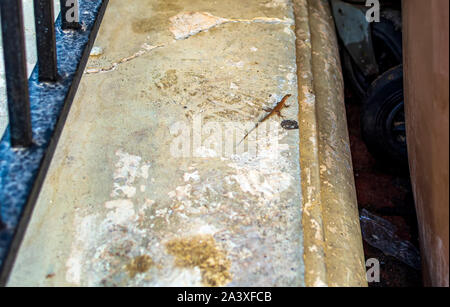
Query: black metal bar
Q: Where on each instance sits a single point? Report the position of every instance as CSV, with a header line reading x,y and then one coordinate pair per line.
x,y
70,14
16,73
50,107
45,40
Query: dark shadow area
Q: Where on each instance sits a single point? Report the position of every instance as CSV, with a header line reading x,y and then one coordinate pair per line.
x,y
372,57
386,193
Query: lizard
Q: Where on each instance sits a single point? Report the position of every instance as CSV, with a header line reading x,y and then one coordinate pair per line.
x,y
276,110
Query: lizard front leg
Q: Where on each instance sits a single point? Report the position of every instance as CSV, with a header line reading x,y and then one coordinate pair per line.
x,y
278,112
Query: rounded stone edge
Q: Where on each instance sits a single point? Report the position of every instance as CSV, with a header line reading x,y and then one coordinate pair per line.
x,y
333,251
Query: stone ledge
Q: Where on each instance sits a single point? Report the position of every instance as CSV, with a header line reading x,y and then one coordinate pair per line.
x,y
120,208
333,251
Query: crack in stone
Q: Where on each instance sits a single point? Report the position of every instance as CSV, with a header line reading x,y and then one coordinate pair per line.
x,y
186,25
145,49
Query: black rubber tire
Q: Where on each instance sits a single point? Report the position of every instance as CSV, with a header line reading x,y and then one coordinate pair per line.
x,y
387,41
383,119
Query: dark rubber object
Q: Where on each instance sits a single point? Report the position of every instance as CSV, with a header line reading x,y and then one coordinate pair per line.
x,y
383,119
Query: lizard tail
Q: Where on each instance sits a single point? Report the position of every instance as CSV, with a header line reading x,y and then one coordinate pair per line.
x,y
248,133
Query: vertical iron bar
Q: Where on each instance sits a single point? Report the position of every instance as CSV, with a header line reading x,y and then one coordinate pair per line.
x,y
70,14
16,73
45,40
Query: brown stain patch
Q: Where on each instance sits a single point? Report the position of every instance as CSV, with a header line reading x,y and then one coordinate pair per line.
x,y
202,251
163,10
168,80
140,264
144,25
152,24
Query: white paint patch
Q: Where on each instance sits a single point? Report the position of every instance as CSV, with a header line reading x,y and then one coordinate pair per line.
x,y
85,227
144,170
96,51
265,175
233,86
123,211
181,192
292,78
128,169
310,98
125,174
98,238
194,176
205,230
190,23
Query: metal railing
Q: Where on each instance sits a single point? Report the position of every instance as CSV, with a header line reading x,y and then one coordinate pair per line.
x,y
38,106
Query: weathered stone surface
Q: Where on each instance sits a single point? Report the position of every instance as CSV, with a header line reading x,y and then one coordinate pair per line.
x,y
333,252
149,185
123,206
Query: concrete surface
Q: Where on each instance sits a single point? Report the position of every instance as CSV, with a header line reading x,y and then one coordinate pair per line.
x,y
120,207
148,186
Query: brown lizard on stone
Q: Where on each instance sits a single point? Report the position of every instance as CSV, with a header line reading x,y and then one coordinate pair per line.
x,y
276,110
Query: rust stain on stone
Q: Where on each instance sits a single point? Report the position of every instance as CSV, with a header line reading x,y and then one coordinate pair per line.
x,y
144,25
140,264
201,251
49,276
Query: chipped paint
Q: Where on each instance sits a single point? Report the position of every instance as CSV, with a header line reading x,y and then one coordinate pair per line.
x,y
191,23
118,227
128,169
96,51
191,176
264,175
84,227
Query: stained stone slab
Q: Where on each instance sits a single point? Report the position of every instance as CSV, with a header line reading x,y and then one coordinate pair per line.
x,y
154,181
148,187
